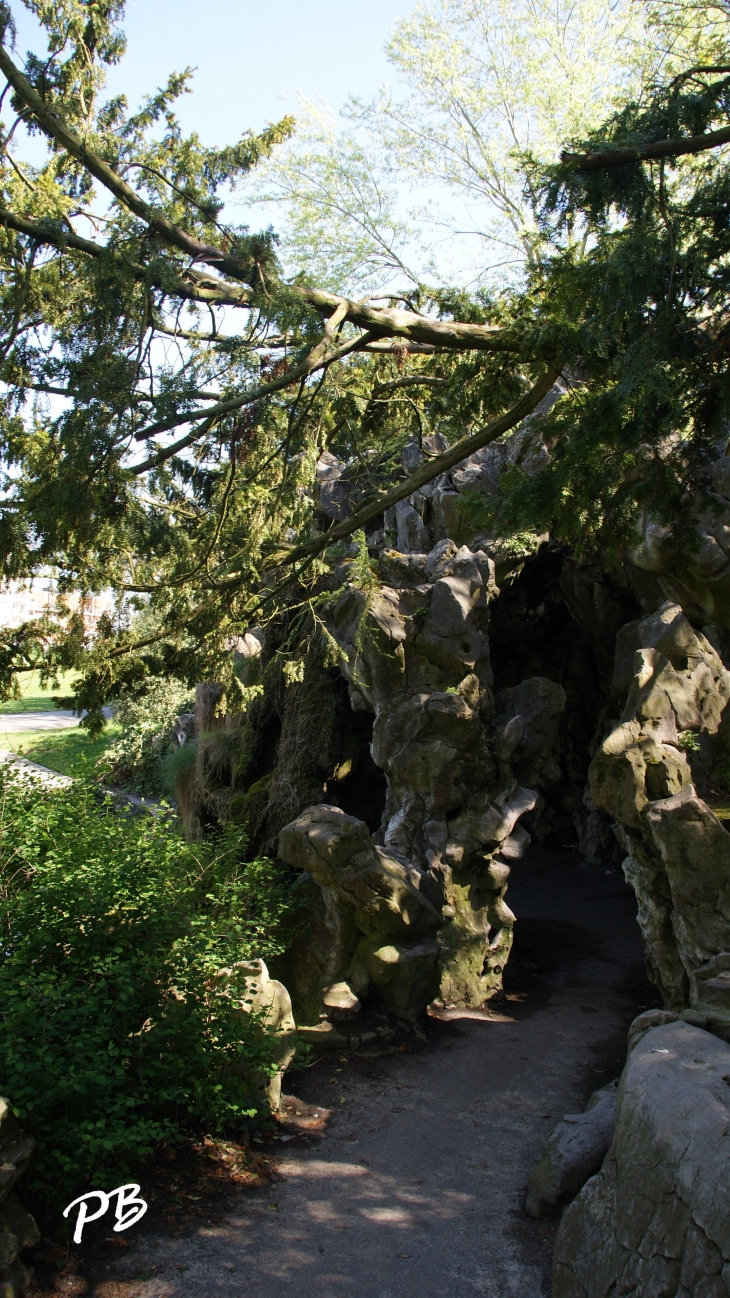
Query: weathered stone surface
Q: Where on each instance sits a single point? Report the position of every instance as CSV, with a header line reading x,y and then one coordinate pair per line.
x,y
18,1230
341,999
386,896
17,1221
16,1150
678,853
334,486
270,999
381,914
654,1220
539,704
9,1247
413,535
697,578
14,1280
416,654
573,1151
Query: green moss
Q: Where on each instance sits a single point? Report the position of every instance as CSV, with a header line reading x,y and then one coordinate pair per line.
x,y
247,806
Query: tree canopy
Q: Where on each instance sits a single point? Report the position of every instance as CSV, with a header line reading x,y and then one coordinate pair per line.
x,y
170,379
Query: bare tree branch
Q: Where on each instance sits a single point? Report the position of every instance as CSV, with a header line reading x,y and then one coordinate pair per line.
x,y
430,469
644,152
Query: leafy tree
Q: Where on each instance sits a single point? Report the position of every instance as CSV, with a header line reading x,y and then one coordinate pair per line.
x,y
168,388
115,341
426,182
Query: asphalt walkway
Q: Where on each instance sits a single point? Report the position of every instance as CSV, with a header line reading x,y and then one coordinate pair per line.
x,y
416,1190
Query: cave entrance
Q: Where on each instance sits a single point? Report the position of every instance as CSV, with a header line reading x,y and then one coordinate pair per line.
x,y
558,620
357,785
534,631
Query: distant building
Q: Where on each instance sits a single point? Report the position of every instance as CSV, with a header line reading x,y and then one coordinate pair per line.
x,y
23,601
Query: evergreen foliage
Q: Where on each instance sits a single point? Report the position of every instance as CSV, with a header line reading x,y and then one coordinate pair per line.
x,y
137,760
168,389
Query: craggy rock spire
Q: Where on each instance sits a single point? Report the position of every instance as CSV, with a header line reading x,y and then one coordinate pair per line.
x,y
419,909
645,775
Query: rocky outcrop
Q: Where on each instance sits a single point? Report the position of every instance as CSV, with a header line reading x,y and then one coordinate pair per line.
x,y
697,578
415,652
573,1152
377,920
645,774
18,1230
654,1220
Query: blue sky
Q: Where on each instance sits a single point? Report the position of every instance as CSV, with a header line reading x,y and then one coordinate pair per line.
x,y
252,58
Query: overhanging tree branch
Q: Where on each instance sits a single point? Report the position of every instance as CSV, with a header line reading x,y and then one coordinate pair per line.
x,y
645,152
192,287
431,469
321,355
384,322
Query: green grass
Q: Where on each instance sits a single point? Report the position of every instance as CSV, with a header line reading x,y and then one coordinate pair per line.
x,y
36,697
70,752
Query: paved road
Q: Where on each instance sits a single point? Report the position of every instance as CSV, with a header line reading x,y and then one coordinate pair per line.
x,y
12,722
417,1190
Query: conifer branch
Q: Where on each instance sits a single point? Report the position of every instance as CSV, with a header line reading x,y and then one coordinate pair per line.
x,y
385,322
320,356
431,468
645,152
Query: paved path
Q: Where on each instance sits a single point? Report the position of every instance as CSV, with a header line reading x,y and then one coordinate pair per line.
x,y
417,1190
12,722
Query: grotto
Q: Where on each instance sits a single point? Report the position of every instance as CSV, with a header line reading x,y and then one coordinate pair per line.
x,y
470,711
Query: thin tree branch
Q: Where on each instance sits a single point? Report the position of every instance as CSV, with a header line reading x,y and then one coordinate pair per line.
x,y
431,469
194,287
322,354
410,381
167,452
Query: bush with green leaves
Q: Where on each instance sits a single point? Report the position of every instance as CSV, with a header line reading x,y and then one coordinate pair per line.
x,y
136,760
118,1028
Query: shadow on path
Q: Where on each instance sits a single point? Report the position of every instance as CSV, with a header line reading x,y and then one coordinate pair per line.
x,y
417,1188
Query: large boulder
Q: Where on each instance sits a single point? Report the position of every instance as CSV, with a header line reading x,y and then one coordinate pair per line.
x,y
654,1221
573,1152
380,915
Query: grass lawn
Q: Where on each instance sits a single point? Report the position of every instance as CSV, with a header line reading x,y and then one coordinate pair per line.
x,y
70,752
36,697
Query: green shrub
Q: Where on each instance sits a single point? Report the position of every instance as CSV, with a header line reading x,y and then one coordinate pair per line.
x,y
136,761
115,1034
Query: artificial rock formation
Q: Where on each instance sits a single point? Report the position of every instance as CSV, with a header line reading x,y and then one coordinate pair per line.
x,y
645,775
573,1152
654,1221
416,655
17,1228
376,921
270,1000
